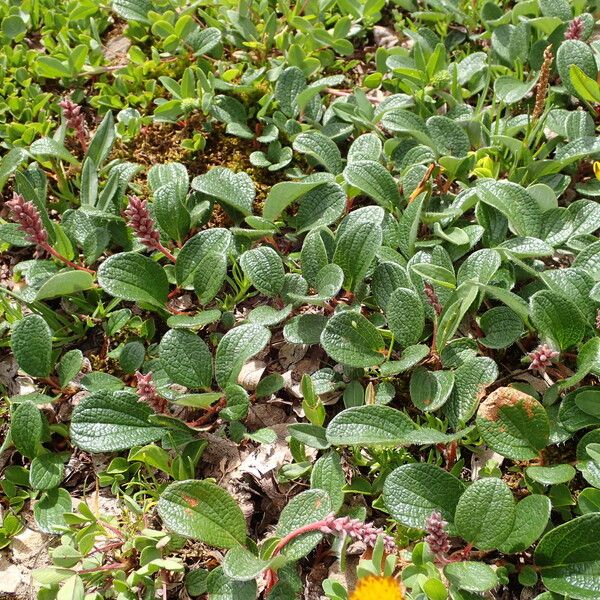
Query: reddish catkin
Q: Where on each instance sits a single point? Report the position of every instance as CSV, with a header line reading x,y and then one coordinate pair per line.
x,y
142,223
147,392
437,537
74,118
541,357
432,297
139,219
575,29
28,217
354,528
357,530
542,86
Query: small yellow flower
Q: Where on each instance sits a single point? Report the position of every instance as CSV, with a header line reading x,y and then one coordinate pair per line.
x,y
485,167
597,169
377,588
486,163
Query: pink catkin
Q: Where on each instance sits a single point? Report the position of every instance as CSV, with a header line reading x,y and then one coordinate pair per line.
x,y
28,217
575,29
541,357
74,118
357,530
142,223
437,537
433,299
354,528
147,392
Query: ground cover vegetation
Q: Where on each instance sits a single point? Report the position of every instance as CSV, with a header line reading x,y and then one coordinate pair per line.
x,y
300,299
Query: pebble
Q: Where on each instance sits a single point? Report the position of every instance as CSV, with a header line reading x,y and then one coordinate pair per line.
x,y
27,545
11,578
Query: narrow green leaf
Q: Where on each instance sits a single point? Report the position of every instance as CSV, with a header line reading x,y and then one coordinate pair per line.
x,y
355,250
196,249
186,358
103,140
264,267
48,147
321,148
327,474
47,471
305,508
235,190
27,428
374,180
69,366
531,518
429,390
406,316
569,558
284,193
471,576
556,318
65,284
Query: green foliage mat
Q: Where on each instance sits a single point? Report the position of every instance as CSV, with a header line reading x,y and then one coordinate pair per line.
x,y
352,244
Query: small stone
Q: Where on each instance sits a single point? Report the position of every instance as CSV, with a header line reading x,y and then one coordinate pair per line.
x,y
117,47
384,36
27,544
11,578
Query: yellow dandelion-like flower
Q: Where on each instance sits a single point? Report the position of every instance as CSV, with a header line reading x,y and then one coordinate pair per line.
x,y
377,588
597,169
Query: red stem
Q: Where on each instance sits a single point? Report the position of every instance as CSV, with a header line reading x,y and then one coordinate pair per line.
x,y
340,93
106,548
166,252
52,382
82,140
112,528
60,257
316,526
270,575
164,575
211,410
174,293
343,93
109,567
